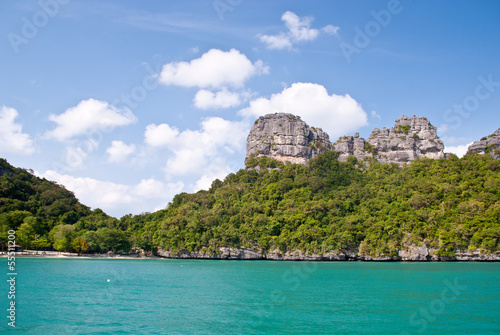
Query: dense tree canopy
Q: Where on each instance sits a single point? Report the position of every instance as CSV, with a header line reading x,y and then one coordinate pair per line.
x,y
449,204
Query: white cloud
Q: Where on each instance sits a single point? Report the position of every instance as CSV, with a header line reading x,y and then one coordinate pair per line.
x,y
12,138
336,114
218,169
116,199
87,116
74,157
119,151
280,41
375,115
160,135
331,29
214,69
195,150
299,30
205,99
459,150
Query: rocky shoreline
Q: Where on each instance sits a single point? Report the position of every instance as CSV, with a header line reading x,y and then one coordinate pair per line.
x,y
416,254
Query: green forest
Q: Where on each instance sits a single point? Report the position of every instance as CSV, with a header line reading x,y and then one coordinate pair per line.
x,y
452,205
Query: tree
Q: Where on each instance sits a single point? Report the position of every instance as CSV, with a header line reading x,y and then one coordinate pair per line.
x,y
62,237
113,240
26,233
40,243
80,245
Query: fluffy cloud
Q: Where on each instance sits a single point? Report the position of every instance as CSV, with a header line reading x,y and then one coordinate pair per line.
x,y
280,41
160,135
116,199
12,138
336,114
299,30
119,151
459,150
214,69
205,99
218,169
331,29
195,150
87,116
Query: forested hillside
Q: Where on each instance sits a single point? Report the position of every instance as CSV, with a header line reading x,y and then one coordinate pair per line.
x,y
450,205
46,215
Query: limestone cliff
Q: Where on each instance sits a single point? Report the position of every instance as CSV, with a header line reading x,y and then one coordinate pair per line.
x,y
488,145
410,138
287,138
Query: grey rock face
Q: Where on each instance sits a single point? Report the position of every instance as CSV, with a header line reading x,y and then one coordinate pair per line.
x,y
348,146
221,253
489,146
411,253
287,138
409,139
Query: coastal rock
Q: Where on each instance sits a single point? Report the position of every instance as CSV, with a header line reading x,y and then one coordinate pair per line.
x,y
238,253
287,138
298,255
487,146
415,253
411,253
220,253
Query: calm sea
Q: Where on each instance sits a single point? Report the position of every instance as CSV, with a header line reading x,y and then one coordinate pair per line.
x,y
87,296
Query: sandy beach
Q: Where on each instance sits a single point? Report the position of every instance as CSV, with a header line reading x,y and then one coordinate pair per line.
x,y
59,254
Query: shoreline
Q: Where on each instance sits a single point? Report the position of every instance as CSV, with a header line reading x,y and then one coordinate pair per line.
x,y
69,255
73,255
241,253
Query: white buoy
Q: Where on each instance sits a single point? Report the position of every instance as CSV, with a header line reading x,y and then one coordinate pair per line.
x,y
109,280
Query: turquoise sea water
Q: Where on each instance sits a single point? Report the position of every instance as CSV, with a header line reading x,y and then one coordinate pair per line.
x,y
68,296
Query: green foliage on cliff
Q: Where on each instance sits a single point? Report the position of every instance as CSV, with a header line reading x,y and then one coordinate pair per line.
x,y
403,129
449,204
328,205
46,215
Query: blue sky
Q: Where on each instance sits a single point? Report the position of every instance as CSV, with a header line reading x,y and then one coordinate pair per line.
x,y
128,103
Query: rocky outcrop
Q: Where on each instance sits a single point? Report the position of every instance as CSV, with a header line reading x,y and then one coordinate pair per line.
x,y
410,138
287,138
352,146
411,253
220,253
487,146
